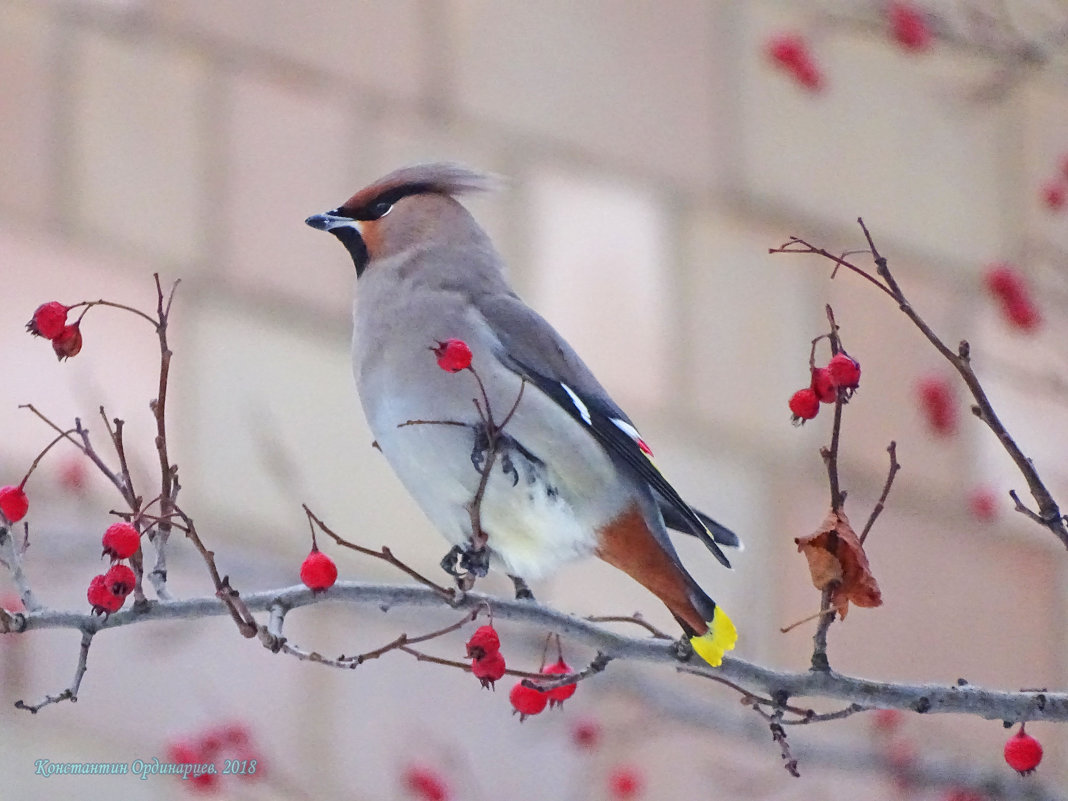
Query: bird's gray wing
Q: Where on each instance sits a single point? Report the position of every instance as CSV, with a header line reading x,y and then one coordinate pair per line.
x,y
533,348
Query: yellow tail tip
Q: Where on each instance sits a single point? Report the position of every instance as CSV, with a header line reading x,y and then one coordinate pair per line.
x,y
720,638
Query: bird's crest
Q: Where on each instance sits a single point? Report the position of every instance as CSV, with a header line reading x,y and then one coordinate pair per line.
x,y
441,178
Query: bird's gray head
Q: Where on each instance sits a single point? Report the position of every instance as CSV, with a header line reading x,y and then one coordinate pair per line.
x,y
408,207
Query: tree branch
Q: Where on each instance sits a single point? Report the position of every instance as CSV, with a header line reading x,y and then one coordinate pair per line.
x,y
923,698
1049,514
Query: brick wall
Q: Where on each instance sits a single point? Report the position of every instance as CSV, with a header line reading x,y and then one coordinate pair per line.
x,y
653,157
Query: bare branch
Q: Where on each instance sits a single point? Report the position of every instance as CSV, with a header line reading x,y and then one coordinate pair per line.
x,y
878,508
923,698
71,692
1048,515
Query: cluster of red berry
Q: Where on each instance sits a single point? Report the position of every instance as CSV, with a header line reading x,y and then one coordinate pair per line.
x,y
229,744
1055,190
791,53
842,373
107,591
624,782
487,664
1014,297
50,321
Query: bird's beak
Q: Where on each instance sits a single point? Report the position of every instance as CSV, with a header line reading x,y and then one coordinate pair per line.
x,y
331,220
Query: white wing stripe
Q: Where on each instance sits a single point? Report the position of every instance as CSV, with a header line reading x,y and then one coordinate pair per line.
x,y
575,399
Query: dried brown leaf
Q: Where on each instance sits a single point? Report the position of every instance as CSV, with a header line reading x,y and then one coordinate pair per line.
x,y
836,557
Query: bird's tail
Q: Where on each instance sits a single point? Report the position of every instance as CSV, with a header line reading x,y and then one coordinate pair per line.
x,y
720,635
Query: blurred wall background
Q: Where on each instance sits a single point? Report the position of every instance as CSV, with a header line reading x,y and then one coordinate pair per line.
x,y
653,155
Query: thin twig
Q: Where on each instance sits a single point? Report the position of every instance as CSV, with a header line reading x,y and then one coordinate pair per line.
x,y
385,554
11,554
877,510
798,245
1049,514
71,692
820,662
636,619
778,734
239,612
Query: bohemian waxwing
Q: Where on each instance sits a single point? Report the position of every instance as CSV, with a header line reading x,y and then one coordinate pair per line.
x,y
569,474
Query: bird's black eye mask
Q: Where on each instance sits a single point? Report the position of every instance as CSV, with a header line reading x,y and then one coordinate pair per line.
x,y
381,204
336,220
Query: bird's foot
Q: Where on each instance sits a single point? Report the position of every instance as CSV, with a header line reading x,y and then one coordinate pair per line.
x,y
522,589
475,560
683,649
465,565
450,563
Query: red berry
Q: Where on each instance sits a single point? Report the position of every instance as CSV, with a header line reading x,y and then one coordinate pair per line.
x,y
120,580
209,744
625,782
101,598
804,404
235,734
121,541
68,343
787,50
183,753
983,504
483,642
586,734
1054,195
425,784
962,794
936,400
1021,313
1004,281
790,52
823,385
453,355
909,26
318,572
204,782
48,320
887,720
489,668
808,75
527,700
1023,752
13,503
557,695
72,474
844,370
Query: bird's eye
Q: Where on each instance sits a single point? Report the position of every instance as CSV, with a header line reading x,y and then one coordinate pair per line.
x,y
379,210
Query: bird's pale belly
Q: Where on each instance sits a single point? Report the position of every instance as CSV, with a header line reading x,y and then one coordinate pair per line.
x,y
535,519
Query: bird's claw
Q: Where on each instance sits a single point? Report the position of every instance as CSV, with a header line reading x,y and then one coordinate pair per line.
x,y
509,469
450,563
683,649
475,561
480,448
522,589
